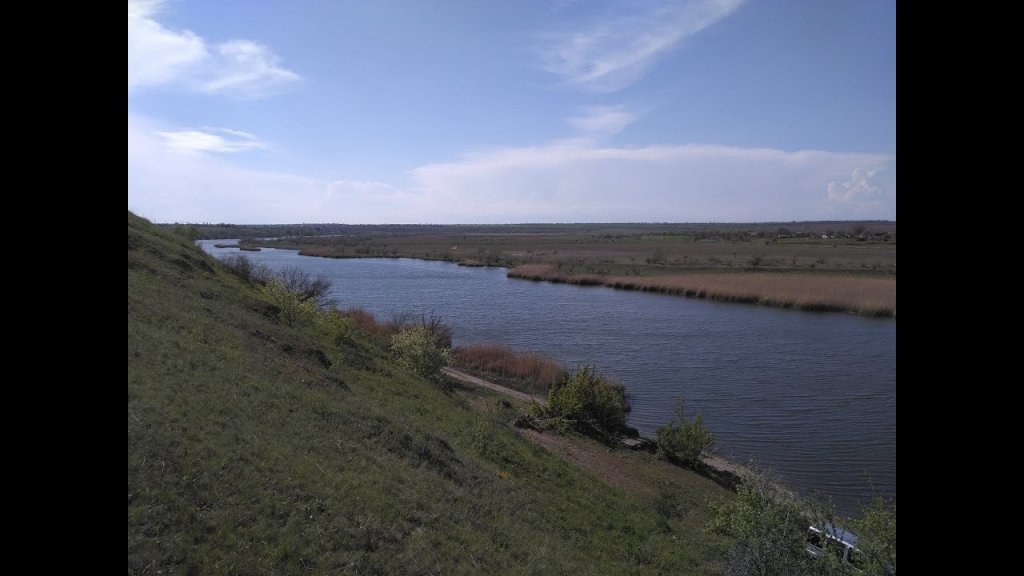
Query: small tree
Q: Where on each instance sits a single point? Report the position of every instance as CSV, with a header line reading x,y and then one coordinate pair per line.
x,y
589,402
419,349
876,536
770,528
291,308
247,270
307,287
685,442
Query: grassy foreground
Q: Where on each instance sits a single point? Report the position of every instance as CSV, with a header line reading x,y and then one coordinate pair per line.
x,y
255,447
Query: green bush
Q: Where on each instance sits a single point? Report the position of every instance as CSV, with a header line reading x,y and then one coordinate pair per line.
x,y
336,325
684,442
769,527
290,307
876,532
421,350
590,403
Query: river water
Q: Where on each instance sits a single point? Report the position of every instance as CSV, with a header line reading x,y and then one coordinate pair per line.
x,y
810,395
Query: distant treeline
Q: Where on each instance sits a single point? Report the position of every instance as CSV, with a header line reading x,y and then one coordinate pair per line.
x,y
761,229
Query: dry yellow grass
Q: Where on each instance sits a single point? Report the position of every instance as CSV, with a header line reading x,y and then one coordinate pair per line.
x,y
529,371
857,294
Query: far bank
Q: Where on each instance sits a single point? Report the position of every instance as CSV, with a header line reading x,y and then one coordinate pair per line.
x,y
815,266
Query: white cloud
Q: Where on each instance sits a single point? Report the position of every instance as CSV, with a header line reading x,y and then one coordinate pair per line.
x,y
861,185
246,68
159,56
615,52
170,183
603,120
564,181
222,140
578,181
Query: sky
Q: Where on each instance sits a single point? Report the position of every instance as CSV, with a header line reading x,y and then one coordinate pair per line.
x,y
506,112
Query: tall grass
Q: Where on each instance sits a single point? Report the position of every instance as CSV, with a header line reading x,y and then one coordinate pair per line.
x,y
550,273
838,293
530,372
366,322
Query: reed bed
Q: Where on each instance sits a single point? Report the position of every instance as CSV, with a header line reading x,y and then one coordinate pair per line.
x,y
526,371
868,296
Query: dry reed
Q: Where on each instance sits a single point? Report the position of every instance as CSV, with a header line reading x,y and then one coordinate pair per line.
x,y
868,296
529,371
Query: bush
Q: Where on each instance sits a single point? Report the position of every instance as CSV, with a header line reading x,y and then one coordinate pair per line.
x,y
365,322
421,350
295,294
590,403
290,307
336,324
306,287
684,442
432,323
248,271
769,527
876,532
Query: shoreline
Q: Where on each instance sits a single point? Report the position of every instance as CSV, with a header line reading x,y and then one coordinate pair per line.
x,y
716,468
804,292
719,290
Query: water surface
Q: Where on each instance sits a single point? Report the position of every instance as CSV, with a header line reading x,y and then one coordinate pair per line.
x,y
811,395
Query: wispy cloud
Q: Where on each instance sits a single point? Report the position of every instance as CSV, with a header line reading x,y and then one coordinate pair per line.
x,y
580,181
614,52
246,68
171,183
219,140
575,180
603,120
159,56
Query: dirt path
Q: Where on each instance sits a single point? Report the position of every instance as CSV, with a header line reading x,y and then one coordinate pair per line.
x,y
593,456
470,379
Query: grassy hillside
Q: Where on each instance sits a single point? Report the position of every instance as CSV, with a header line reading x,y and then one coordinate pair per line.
x,y
254,447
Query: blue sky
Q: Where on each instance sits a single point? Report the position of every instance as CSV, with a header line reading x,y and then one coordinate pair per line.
x,y
491,112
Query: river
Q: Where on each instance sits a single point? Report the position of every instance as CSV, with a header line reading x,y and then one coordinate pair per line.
x,y
810,395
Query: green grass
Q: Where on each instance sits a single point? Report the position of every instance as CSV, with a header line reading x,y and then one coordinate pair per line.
x,y
254,447
626,249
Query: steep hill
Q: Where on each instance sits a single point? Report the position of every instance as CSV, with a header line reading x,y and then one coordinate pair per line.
x,y
255,447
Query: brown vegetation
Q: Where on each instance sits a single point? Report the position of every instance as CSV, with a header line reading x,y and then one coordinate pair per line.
x,y
367,323
529,371
869,296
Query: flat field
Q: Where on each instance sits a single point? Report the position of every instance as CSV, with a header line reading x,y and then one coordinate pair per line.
x,y
830,266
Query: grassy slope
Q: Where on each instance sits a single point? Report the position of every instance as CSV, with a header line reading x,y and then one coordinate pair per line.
x,y
248,453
